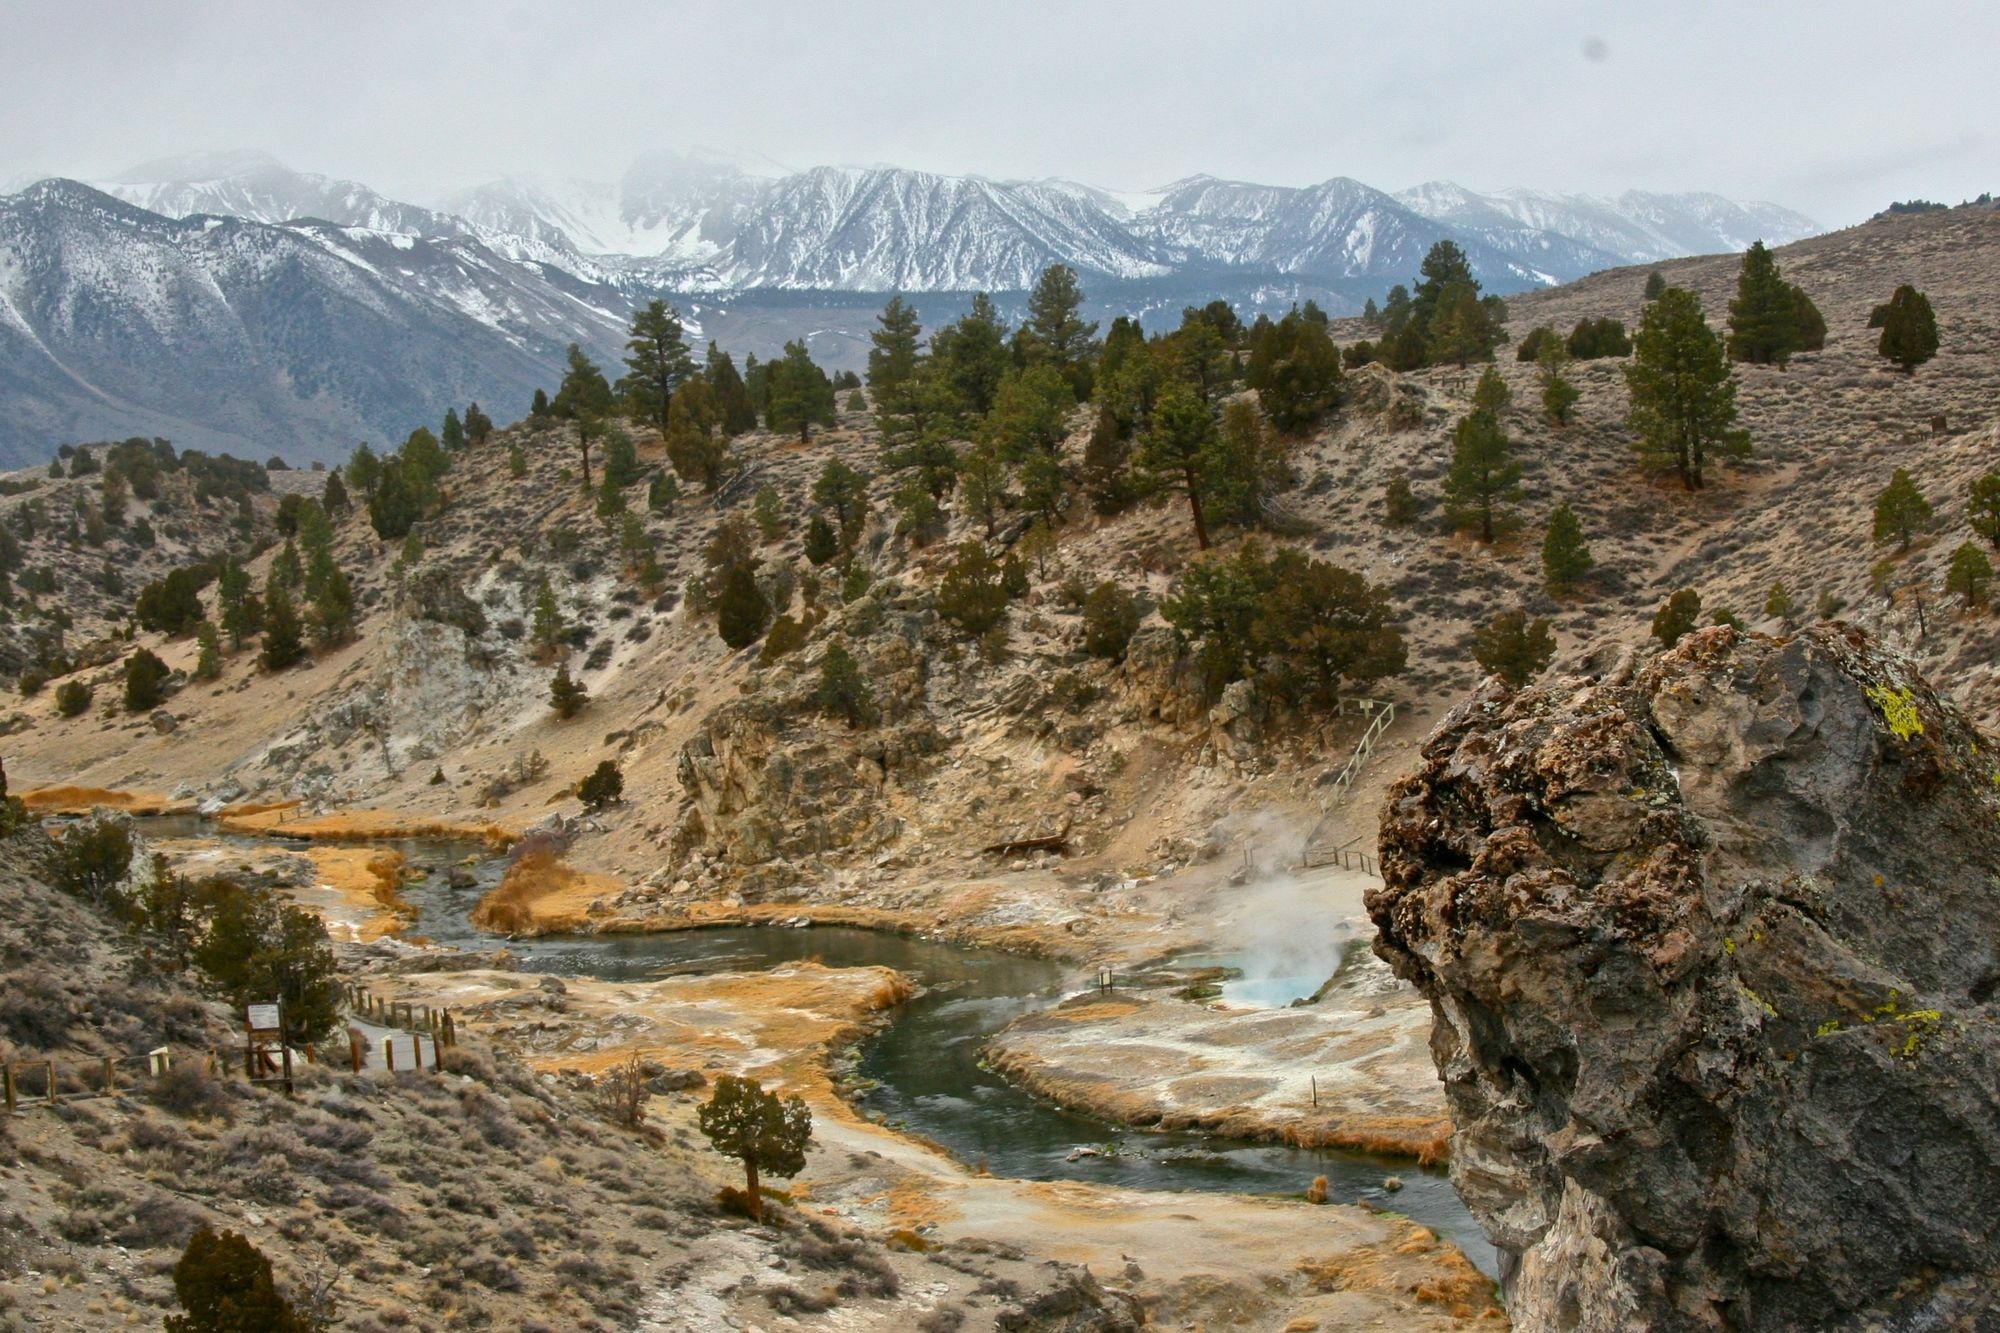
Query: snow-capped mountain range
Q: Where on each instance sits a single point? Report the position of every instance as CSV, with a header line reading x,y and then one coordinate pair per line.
x,y
229,302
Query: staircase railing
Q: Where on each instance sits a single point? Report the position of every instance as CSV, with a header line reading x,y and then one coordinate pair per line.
x,y
1320,849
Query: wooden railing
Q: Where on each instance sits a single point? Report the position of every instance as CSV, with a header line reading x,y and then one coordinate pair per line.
x,y
1319,849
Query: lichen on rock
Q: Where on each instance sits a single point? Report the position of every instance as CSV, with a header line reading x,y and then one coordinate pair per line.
x,y
1711,944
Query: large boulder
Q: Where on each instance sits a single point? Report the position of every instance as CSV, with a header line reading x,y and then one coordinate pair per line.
x,y
1711,944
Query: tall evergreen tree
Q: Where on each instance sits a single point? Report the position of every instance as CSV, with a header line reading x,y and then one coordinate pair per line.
x,y
585,401
1909,329
1181,451
657,361
735,412
1055,334
1969,574
1982,507
364,469
1683,395
1295,369
740,608
893,357
1484,477
478,426
452,436
1656,283
567,694
971,355
801,394
1763,318
284,642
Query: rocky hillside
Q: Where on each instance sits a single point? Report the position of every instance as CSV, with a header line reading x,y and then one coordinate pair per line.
x,y
737,781
1710,945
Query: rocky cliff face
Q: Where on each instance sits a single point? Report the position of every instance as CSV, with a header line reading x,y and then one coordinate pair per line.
x,y
1712,943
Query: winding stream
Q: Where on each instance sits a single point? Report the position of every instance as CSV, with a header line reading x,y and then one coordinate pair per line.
x,y
922,1071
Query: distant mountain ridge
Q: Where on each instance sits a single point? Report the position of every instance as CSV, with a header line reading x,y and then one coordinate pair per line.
x,y
229,302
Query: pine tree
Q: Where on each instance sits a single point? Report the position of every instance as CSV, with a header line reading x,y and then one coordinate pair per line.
x,y
584,400
1180,451
657,361
334,498
1778,605
1444,266
364,469
1677,616
1295,369
971,356
1513,647
478,426
1565,555
1762,318
208,662
145,681
1055,334
696,446
1683,395
768,513
801,394
893,358
1399,502
843,691
822,543
1808,325
843,492
452,436
1900,511
424,464
547,630
394,507
734,410
1484,477
740,609
1655,284
971,594
1909,329
1969,574
284,642
1463,328
567,695
1982,507
1559,396
539,409
333,609
241,615
517,461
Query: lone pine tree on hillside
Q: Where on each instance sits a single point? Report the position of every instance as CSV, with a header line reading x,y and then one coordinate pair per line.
x,y
1770,318
585,400
1485,476
1982,507
801,394
1565,556
768,1134
1181,451
1969,574
1683,395
603,787
1909,329
1901,511
567,695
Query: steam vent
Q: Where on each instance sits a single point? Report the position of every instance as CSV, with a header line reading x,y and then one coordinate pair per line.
x,y
1712,942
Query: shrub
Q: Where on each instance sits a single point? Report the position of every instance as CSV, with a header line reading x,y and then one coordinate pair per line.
x,y
72,698
567,695
224,1284
971,594
1513,647
145,681
92,858
1110,619
1676,616
604,786
843,691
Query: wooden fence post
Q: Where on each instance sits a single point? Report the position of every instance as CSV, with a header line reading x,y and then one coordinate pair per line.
x,y
110,1076
53,1098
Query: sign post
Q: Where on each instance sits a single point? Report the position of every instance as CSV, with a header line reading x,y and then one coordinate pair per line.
x,y
263,1024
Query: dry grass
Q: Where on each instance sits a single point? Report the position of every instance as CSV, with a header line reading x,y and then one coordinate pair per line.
x,y
68,800
359,826
1444,1278
1426,1138
539,895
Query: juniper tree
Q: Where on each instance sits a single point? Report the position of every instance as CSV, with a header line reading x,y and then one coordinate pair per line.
x,y
224,1283
657,361
740,609
768,513
1565,556
1969,574
1683,395
1779,603
145,681
517,461
971,594
1399,502
1513,647
822,542
1909,329
767,1134
843,492
1900,511
603,787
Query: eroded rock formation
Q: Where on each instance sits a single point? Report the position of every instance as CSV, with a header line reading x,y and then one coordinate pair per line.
x,y
1711,942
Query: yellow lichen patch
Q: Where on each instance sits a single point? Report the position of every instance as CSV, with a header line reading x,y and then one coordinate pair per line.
x,y
1899,710
67,800
358,826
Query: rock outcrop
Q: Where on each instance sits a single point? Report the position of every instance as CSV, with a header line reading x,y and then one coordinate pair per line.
x,y
1711,944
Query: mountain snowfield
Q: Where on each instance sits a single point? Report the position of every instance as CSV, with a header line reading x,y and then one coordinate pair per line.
x,y
230,303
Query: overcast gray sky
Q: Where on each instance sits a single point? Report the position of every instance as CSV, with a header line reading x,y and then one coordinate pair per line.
x,y
1833,107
